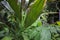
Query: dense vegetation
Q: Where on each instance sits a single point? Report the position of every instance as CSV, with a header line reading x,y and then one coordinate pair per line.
x,y
29,20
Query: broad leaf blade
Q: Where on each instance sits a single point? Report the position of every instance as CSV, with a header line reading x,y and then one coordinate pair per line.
x,y
39,33
16,8
45,34
34,13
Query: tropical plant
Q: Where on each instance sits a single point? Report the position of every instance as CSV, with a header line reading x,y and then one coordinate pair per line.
x,y
21,20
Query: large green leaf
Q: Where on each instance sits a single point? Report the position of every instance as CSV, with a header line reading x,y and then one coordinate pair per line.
x,y
45,34
16,7
39,33
35,11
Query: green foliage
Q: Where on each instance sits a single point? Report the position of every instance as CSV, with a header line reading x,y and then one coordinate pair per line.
x,y
20,27
7,38
45,34
39,33
25,37
34,13
16,7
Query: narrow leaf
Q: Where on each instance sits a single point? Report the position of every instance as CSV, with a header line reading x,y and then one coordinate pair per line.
x,y
35,11
16,7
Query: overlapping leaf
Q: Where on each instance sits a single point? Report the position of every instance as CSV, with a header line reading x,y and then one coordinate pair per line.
x,y
16,8
34,13
45,34
39,33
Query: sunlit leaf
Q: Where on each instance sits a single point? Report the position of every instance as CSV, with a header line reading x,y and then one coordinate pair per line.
x,y
58,22
35,11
